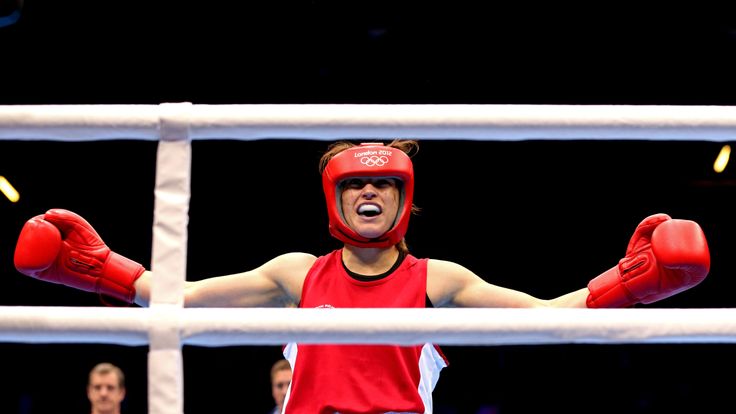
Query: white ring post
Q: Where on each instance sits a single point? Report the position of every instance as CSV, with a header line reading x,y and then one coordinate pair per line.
x,y
169,260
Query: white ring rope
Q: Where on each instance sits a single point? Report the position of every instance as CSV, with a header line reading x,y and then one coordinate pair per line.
x,y
166,326
257,326
329,122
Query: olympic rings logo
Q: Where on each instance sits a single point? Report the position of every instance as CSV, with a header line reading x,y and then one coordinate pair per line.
x,y
374,161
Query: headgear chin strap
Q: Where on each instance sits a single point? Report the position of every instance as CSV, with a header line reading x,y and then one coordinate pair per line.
x,y
368,160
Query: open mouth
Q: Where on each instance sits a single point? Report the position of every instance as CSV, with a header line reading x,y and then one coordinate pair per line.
x,y
369,210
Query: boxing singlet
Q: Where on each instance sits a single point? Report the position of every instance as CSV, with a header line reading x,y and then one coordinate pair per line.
x,y
362,379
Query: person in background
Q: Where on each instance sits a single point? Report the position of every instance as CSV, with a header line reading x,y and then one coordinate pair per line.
x,y
280,380
106,389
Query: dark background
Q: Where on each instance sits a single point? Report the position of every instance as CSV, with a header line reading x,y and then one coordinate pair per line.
x,y
539,216
380,51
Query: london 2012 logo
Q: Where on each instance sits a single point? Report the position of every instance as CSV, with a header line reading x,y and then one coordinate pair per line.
x,y
374,161
374,158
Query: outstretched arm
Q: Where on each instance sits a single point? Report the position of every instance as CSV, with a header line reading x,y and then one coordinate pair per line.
x,y
664,257
62,247
277,283
452,285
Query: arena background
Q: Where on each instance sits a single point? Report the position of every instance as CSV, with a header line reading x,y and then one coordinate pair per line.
x,y
540,216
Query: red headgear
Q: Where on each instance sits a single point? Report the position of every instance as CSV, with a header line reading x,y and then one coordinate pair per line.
x,y
368,160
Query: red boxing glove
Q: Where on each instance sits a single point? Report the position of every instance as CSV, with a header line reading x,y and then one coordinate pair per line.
x,y
61,247
664,257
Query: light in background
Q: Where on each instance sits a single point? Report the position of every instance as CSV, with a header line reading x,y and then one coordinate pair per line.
x,y
7,189
722,160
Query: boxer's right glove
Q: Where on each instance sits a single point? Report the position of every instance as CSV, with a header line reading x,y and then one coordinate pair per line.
x,y
665,256
62,247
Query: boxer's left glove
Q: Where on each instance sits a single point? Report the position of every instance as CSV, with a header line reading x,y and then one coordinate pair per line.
x,y
665,256
62,247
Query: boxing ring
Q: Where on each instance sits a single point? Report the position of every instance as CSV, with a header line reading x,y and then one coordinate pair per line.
x,y
166,325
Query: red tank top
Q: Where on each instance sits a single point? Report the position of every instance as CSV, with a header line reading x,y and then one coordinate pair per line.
x,y
362,379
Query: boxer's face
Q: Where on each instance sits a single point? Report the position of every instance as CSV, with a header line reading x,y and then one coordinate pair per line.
x,y
370,204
